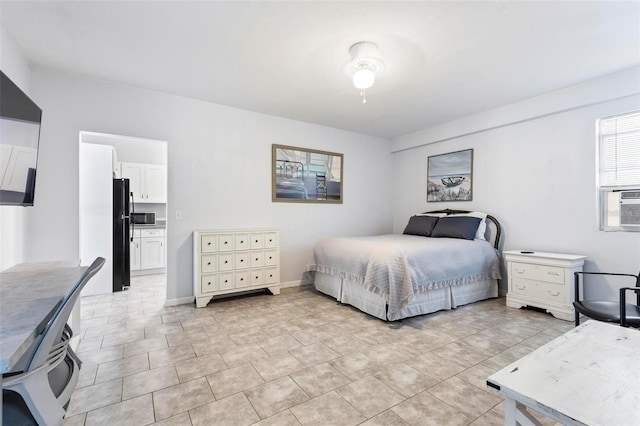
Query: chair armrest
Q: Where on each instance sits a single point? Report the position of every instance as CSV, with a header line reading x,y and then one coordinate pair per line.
x,y
623,304
606,273
577,279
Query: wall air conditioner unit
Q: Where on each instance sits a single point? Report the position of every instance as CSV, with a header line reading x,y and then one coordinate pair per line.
x,y
630,208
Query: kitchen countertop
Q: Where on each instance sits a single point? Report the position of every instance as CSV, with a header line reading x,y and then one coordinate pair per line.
x,y
160,224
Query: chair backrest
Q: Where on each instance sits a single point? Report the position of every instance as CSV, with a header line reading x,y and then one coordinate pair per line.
x,y
53,333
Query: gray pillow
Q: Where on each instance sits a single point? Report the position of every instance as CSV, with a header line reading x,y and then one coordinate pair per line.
x,y
456,227
420,225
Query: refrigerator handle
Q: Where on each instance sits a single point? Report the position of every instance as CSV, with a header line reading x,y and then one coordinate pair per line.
x,y
133,210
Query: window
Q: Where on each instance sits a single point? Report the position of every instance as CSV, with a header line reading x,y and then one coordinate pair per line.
x,y
619,172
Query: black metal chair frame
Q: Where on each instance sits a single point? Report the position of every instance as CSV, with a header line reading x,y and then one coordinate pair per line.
x,y
622,297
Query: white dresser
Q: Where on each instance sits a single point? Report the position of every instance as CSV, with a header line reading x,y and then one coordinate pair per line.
x,y
229,261
543,280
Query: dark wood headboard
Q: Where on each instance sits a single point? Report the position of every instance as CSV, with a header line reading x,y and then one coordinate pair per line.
x,y
496,237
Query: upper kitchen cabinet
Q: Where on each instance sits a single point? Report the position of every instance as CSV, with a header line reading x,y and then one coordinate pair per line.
x,y
148,182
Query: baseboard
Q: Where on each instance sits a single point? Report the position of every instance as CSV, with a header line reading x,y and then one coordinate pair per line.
x,y
140,272
179,301
289,284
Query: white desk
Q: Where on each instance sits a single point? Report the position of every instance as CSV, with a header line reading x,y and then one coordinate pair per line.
x,y
588,376
29,295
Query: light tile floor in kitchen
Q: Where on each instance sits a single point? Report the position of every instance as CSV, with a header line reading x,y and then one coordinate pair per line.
x,y
297,358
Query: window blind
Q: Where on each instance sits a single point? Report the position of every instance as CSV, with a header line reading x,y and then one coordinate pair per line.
x,y
620,150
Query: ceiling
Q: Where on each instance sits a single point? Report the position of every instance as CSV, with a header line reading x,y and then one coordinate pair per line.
x,y
444,60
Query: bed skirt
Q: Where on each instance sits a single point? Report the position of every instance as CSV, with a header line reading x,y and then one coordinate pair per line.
x,y
354,294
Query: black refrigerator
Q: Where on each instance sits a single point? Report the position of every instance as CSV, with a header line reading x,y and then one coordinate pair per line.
x,y
121,220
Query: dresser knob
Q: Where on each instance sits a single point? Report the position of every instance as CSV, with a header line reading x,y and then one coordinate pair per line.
x,y
225,242
209,243
226,281
226,261
256,259
208,263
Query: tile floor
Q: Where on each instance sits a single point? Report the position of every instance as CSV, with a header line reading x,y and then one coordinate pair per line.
x,y
294,359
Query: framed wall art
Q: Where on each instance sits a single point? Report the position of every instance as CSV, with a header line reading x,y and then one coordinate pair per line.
x,y
301,175
449,176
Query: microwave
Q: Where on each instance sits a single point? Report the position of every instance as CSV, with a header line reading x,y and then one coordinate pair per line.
x,y
143,218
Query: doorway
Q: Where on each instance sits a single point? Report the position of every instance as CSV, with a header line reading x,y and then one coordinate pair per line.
x,y
105,159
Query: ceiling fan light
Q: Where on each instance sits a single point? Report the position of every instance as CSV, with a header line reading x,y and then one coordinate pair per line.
x,y
363,78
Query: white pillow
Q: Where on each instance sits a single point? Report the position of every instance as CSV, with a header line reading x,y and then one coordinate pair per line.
x,y
482,226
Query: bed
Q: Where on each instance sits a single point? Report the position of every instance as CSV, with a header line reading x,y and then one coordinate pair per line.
x,y
442,260
290,180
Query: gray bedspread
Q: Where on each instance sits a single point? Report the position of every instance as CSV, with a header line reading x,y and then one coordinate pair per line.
x,y
401,266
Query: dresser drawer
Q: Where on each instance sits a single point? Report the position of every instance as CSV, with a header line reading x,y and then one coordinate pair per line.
x,y
271,275
270,239
271,257
209,243
241,260
257,241
529,271
241,242
225,242
257,277
209,283
257,259
225,262
208,263
539,290
241,279
225,281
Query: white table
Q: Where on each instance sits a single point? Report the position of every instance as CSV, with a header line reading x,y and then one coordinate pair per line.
x,y
29,295
588,376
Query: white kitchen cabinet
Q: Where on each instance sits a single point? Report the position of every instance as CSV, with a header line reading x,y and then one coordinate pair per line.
x,y
147,249
151,252
148,182
543,280
234,260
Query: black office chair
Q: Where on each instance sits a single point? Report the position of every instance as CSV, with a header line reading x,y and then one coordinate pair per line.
x,y
40,393
621,312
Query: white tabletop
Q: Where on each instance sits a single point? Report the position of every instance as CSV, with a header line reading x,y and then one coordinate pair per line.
x,y
590,375
29,294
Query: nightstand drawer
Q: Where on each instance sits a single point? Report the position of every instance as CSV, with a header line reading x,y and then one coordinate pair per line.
x,y
538,290
550,274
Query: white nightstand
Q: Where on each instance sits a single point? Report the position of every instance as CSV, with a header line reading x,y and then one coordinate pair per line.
x,y
543,280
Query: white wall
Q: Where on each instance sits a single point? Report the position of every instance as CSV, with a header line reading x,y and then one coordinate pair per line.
x,y
13,219
219,171
534,169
